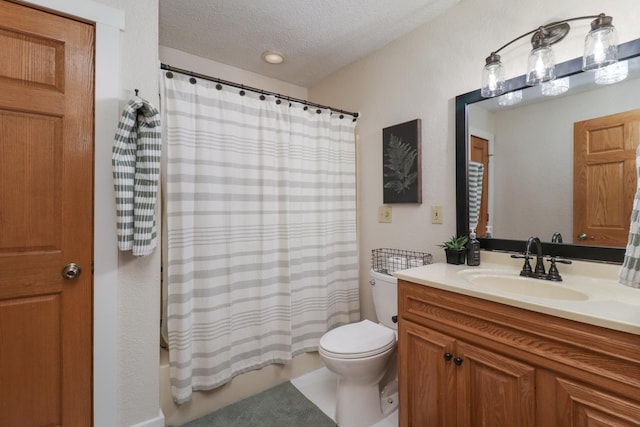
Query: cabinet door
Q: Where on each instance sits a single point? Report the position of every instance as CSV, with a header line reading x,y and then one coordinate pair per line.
x,y
426,378
493,390
584,406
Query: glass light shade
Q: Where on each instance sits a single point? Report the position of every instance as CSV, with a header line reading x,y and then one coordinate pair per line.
x,y
613,73
555,87
510,98
600,48
492,80
541,66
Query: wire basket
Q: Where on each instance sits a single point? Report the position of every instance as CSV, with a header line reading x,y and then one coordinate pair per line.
x,y
386,261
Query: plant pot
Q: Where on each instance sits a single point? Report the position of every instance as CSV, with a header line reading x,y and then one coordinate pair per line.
x,y
456,257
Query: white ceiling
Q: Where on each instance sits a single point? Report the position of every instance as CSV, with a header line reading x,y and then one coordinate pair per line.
x,y
318,37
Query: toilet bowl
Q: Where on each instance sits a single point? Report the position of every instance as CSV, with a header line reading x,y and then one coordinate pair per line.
x,y
363,356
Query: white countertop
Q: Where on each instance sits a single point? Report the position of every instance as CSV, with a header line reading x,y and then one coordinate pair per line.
x,y
605,302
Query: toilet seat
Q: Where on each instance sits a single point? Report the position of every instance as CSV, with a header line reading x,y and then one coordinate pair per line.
x,y
357,340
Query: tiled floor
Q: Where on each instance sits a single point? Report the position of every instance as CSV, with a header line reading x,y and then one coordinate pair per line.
x,y
319,386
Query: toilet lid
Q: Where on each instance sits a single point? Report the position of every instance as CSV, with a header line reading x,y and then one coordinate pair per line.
x,y
357,340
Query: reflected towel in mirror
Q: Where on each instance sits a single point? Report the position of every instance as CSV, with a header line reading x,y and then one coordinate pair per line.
x,y
476,173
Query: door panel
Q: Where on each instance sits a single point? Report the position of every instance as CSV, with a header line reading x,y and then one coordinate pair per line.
x,y
604,178
495,390
426,377
32,202
28,366
46,217
584,406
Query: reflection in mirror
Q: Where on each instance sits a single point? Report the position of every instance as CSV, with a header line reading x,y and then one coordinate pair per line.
x,y
528,147
531,147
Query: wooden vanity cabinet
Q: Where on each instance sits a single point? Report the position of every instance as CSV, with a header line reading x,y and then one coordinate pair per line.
x,y
466,362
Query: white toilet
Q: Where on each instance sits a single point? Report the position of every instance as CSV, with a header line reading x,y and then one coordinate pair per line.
x,y
363,356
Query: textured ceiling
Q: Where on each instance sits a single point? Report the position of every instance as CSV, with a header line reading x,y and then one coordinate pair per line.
x,y
318,37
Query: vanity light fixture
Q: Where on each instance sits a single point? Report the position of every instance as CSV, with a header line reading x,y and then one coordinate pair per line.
x,y
613,73
510,98
272,57
555,87
600,50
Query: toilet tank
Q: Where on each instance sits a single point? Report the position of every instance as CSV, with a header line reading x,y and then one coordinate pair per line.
x,y
385,297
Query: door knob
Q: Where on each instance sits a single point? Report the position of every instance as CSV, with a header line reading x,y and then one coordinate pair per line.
x,y
584,236
71,271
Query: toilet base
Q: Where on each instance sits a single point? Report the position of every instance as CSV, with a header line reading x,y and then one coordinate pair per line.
x,y
357,405
389,398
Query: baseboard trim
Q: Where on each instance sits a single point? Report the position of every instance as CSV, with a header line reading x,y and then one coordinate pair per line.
x,y
153,422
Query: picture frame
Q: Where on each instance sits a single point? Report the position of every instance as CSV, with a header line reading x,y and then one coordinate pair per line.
x,y
401,163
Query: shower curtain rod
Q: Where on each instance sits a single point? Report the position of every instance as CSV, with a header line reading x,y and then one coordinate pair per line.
x,y
252,89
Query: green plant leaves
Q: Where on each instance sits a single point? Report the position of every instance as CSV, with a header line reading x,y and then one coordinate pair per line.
x,y
455,243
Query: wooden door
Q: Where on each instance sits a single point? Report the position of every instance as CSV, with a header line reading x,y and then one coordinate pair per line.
x,y
494,390
480,154
46,218
426,379
604,178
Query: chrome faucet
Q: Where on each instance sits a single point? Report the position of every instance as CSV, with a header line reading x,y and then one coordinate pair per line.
x,y
556,238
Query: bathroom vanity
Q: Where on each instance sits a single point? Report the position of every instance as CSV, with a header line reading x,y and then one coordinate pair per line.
x,y
485,347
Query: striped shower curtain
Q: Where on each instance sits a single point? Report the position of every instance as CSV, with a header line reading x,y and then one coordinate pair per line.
x,y
261,221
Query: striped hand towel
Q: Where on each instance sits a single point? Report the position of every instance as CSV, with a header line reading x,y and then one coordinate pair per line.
x,y
630,271
136,171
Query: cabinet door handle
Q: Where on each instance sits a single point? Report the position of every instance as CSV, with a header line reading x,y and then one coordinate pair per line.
x,y
457,361
448,356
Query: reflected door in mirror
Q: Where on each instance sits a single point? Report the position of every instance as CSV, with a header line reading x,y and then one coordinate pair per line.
x,y
605,178
480,153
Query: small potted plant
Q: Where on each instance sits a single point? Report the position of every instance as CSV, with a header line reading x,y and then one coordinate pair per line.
x,y
455,249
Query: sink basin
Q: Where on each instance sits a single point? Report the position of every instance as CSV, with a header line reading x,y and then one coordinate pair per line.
x,y
525,286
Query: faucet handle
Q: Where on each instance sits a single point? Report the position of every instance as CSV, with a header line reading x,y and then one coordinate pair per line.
x,y
554,259
554,274
526,271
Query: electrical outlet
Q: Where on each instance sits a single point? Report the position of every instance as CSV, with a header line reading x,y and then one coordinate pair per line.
x,y
384,214
436,214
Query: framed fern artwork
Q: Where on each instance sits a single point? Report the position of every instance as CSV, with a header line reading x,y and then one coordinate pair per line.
x,y
402,181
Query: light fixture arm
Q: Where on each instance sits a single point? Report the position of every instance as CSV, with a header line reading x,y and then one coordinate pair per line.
x,y
550,26
600,50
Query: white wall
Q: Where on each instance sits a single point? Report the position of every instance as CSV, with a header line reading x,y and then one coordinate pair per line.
x,y
138,278
138,388
419,76
196,64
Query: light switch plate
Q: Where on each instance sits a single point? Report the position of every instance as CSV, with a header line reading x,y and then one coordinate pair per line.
x,y
436,214
384,214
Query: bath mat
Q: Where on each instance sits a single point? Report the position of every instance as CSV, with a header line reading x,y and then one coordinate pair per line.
x,y
280,406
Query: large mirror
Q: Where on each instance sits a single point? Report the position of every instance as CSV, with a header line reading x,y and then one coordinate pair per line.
x,y
528,150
